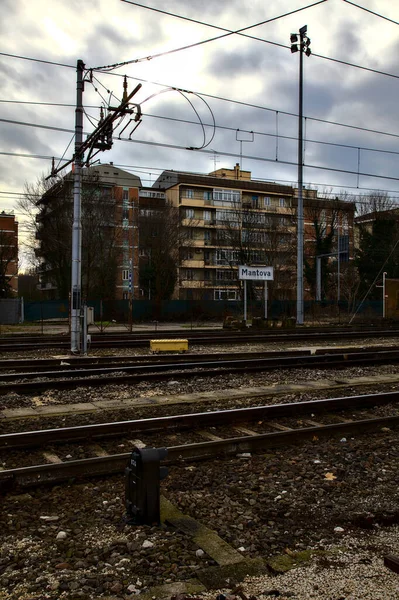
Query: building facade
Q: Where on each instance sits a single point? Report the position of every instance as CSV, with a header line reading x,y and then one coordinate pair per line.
x,y
110,198
8,255
184,237
226,219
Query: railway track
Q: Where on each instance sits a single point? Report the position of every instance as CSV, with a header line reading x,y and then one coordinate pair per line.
x,y
139,339
49,456
190,367
75,363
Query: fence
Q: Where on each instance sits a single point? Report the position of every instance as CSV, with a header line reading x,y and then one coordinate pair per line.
x,y
192,312
10,311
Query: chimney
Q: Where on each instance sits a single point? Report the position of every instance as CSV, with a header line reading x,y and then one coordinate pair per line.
x,y
237,171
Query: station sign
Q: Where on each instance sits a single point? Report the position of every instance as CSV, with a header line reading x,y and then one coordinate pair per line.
x,y
255,273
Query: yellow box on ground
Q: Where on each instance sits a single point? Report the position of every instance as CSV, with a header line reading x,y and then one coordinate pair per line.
x,y
168,345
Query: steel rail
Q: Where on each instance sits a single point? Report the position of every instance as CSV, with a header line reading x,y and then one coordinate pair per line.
x,y
115,464
29,439
204,332
78,364
221,337
68,380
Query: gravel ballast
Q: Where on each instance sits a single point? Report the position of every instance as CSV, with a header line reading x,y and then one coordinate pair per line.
x,y
285,502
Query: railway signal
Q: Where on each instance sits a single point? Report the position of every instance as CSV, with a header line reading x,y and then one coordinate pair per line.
x,y
142,486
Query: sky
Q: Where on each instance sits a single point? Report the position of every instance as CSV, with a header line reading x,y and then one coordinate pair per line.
x,y
235,98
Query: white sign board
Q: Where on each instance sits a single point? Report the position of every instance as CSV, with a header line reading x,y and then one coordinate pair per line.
x,y
255,273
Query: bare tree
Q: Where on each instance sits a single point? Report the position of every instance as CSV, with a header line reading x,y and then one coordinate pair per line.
x,y
48,211
161,239
248,236
374,203
321,244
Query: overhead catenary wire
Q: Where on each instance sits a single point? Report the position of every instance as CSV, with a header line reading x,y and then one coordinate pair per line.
x,y
223,127
240,32
228,33
372,12
224,153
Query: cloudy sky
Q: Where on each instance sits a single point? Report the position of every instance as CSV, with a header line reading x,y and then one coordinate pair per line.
x,y
248,86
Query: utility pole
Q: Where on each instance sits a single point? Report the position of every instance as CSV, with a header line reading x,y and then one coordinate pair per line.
x,y
76,283
304,43
99,140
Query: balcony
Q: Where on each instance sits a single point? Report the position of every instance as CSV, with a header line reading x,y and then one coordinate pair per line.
x,y
192,263
191,283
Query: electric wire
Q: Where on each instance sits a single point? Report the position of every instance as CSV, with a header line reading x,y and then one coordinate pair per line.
x,y
227,34
220,152
65,151
369,11
266,108
239,32
375,281
229,128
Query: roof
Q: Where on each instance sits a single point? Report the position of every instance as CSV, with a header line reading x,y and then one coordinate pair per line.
x,y
168,179
107,174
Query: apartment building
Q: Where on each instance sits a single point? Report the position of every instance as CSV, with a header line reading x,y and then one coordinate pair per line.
x,y
8,255
110,199
227,219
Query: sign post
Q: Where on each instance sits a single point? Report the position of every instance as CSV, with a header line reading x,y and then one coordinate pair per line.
x,y
246,273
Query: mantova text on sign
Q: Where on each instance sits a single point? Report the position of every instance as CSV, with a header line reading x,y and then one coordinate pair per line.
x,y
255,273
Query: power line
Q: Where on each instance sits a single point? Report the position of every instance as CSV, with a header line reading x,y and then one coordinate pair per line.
x,y
223,99
203,150
258,106
239,32
38,60
228,128
277,136
367,10
150,170
229,32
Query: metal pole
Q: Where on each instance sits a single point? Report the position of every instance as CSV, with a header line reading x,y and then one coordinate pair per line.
x,y
265,299
383,294
299,288
339,267
76,283
318,278
245,301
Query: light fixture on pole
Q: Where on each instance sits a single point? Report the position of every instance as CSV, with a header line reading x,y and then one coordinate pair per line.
x,y
300,44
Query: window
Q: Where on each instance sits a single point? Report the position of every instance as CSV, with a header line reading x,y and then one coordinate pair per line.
x,y
125,274
189,193
126,295
207,195
281,202
225,275
227,257
255,201
189,274
207,215
125,194
225,295
207,236
226,216
207,275
226,197
267,201
189,213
